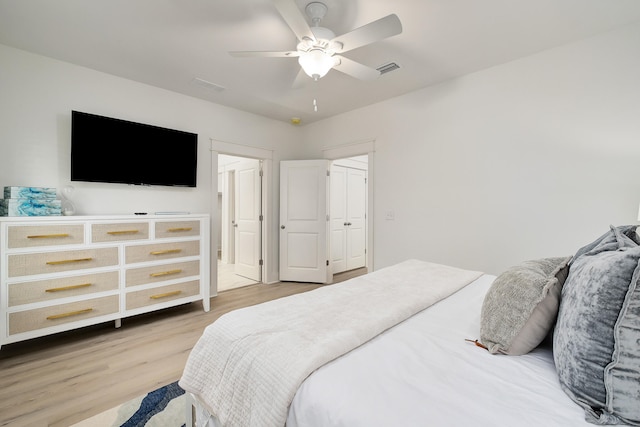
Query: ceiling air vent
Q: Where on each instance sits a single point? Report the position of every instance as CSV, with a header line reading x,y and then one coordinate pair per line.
x,y
388,67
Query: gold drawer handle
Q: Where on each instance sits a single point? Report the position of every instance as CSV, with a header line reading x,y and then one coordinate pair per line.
x,y
123,232
48,236
168,294
166,273
68,261
69,314
68,288
174,230
168,251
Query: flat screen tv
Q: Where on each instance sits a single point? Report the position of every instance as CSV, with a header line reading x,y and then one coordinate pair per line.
x,y
105,149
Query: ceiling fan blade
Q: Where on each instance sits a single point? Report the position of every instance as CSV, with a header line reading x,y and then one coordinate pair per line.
x,y
301,79
355,69
264,54
294,18
374,31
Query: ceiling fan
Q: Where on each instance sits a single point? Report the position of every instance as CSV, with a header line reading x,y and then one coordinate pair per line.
x,y
319,50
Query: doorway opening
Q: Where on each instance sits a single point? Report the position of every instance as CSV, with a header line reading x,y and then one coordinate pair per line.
x,y
239,224
364,152
305,234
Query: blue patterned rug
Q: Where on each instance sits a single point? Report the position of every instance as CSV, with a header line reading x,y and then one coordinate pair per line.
x,y
164,407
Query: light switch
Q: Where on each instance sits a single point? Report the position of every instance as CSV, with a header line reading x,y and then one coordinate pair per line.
x,y
390,216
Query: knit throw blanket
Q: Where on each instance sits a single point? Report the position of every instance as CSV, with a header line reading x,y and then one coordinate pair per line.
x,y
248,364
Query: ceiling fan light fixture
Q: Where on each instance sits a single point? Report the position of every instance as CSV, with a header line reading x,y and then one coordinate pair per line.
x,y
316,63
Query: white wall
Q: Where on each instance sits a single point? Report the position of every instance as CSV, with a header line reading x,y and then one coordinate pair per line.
x,y
37,95
528,159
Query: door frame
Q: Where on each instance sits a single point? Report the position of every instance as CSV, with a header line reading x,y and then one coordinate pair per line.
x,y
360,148
240,150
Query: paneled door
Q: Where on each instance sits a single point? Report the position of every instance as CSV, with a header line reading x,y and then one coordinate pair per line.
x,y
304,221
356,202
348,218
247,224
338,209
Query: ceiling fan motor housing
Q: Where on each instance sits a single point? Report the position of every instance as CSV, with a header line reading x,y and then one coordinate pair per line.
x,y
323,37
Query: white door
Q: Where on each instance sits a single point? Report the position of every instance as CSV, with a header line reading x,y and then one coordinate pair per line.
x,y
247,219
338,219
356,218
304,234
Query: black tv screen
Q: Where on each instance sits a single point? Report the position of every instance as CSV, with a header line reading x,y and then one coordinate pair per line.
x,y
105,149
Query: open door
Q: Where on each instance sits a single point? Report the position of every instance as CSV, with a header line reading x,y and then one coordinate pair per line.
x,y
338,210
247,224
356,219
304,221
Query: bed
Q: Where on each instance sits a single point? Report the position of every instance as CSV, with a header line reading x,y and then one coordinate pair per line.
x,y
407,345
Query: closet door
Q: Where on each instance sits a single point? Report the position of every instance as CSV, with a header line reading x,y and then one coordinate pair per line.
x,y
338,219
356,203
348,218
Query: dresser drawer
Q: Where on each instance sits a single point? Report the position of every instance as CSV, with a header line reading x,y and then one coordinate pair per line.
x,y
160,251
54,262
160,273
30,320
161,294
52,289
165,229
118,232
32,236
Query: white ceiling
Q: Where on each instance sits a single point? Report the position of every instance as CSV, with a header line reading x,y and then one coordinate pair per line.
x,y
169,43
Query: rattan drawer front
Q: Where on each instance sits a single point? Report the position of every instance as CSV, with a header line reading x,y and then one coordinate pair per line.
x,y
160,273
47,290
177,229
54,262
33,236
118,232
162,294
160,251
30,320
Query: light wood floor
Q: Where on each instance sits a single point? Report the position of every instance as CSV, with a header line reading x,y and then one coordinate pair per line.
x,y
65,378
228,279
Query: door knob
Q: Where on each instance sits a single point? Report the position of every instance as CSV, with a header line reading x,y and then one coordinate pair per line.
x,y
282,226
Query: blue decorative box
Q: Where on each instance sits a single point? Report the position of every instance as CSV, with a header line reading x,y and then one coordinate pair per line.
x,y
29,193
30,207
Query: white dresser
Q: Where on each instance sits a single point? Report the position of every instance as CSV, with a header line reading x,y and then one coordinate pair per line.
x,y
62,273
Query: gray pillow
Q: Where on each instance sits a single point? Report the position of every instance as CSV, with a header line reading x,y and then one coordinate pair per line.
x,y
520,308
597,336
611,238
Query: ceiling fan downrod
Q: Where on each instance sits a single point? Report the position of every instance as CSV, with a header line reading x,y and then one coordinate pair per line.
x,y
316,11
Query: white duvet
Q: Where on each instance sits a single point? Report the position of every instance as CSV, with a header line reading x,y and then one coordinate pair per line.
x,y
423,373
248,365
